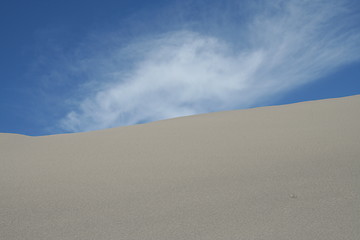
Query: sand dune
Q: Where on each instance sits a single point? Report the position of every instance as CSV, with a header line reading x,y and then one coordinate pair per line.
x,y
272,173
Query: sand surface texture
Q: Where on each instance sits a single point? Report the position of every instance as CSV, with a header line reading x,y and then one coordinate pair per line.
x,y
273,173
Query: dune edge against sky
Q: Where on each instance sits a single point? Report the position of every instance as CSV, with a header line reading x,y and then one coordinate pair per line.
x,y
280,172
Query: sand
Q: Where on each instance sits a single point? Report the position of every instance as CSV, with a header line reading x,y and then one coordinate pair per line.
x,y
272,173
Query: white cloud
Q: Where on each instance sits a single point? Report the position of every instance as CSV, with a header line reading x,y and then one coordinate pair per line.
x,y
285,44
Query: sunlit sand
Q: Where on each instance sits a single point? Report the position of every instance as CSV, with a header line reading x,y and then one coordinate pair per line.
x,y
287,172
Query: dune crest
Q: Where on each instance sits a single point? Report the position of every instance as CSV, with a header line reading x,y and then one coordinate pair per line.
x,y
280,172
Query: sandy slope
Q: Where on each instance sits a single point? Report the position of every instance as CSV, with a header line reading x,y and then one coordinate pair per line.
x,y
273,173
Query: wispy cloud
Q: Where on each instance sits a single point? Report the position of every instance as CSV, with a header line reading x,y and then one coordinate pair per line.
x,y
277,47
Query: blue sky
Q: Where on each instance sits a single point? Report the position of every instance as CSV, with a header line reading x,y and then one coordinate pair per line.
x,y
72,66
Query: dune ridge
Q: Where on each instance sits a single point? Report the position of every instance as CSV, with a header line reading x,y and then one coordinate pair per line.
x,y
279,172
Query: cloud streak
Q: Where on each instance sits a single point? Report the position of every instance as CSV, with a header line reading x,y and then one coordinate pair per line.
x,y
279,46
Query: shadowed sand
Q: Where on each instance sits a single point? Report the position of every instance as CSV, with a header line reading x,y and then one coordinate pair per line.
x,y
272,173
